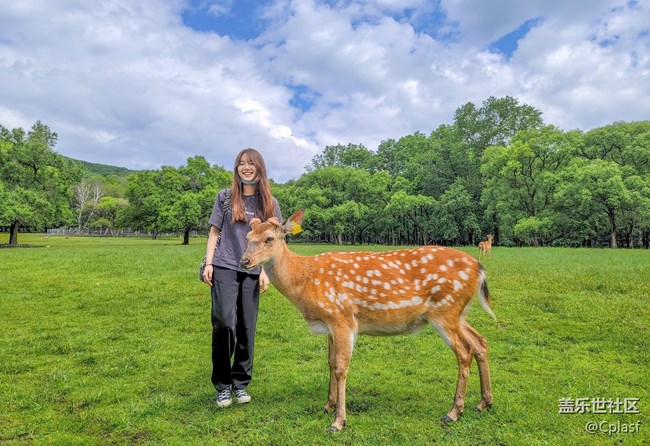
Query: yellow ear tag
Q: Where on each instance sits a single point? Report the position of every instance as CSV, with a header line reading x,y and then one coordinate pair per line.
x,y
295,228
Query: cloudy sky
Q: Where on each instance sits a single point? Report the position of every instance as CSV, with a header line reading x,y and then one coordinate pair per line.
x,y
145,83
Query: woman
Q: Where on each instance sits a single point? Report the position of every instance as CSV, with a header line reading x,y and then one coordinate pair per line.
x,y
235,291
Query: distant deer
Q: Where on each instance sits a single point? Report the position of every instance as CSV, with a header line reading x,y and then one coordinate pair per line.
x,y
345,294
485,248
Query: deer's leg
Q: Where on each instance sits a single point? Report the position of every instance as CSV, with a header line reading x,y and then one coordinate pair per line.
x,y
331,397
480,346
343,341
463,350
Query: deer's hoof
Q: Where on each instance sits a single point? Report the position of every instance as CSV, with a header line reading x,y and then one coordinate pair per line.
x,y
482,408
446,419
334,429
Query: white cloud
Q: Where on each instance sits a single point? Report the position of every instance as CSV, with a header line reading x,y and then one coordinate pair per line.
x,y
126,83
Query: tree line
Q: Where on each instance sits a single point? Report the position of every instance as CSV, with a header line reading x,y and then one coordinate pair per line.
x,y
496,169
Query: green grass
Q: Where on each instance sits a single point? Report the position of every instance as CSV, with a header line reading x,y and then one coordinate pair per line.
x,y
107,341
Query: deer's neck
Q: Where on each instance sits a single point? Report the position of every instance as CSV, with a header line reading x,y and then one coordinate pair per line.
x,y
289,273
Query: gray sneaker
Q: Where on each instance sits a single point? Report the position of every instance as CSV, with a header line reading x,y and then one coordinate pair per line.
x,y
224,398
242,396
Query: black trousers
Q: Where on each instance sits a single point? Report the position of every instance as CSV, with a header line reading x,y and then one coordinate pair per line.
x,y
235,303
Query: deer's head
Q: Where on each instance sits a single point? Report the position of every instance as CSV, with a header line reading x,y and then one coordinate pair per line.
x,y
266,239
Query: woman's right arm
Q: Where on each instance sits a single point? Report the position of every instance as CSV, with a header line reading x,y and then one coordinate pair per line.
x,y
213,236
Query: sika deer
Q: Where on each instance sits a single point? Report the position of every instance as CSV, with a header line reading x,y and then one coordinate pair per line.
x,y
396,292
485,248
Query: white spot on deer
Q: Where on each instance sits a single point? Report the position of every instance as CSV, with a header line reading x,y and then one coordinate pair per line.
x,y
408,267
463,275
457,285
442,280
443,268
435,289
414,263
450,262
316,282
322,270
423,270
349,284
377,273
356,265
373,291
329,310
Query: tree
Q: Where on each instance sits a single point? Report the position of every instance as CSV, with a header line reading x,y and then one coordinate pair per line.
x,y
520,179
87,195
596,186
352,155
174,199
37,182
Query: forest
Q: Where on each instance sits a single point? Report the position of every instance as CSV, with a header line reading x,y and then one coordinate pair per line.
x,y
496,169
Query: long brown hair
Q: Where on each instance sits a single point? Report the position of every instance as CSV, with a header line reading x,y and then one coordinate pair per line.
x,y
265,203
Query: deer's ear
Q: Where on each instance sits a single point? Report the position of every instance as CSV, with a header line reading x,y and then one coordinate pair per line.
x,y
294,223
254,222
274,221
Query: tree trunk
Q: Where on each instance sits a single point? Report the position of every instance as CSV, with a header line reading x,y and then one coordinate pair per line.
x,y
13,233
612,221
186,237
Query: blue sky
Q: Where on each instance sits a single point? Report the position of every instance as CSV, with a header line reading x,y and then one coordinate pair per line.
x,y
147,83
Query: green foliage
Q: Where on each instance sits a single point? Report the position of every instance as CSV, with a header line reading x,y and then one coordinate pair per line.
x,y
174,199
496,169
103,349
103,170
37,182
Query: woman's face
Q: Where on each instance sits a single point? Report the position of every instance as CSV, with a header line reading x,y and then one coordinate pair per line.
x,y
246,169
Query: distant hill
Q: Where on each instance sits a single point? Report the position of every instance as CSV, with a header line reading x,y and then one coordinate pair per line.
x,y
104,169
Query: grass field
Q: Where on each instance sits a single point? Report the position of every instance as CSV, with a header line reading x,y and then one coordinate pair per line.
x,y
107,341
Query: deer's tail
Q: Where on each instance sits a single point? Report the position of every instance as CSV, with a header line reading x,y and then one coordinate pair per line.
x,y
484,293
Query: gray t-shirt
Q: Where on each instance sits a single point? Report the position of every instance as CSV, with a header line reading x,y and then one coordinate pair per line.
x,y
233,235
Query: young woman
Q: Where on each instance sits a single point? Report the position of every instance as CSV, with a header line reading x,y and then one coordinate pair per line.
x,y
235,291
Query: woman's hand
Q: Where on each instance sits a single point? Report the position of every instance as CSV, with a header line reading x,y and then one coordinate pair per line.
x,y
207,273
264,282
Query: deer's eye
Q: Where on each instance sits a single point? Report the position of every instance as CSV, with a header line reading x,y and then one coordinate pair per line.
x,y
269,239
